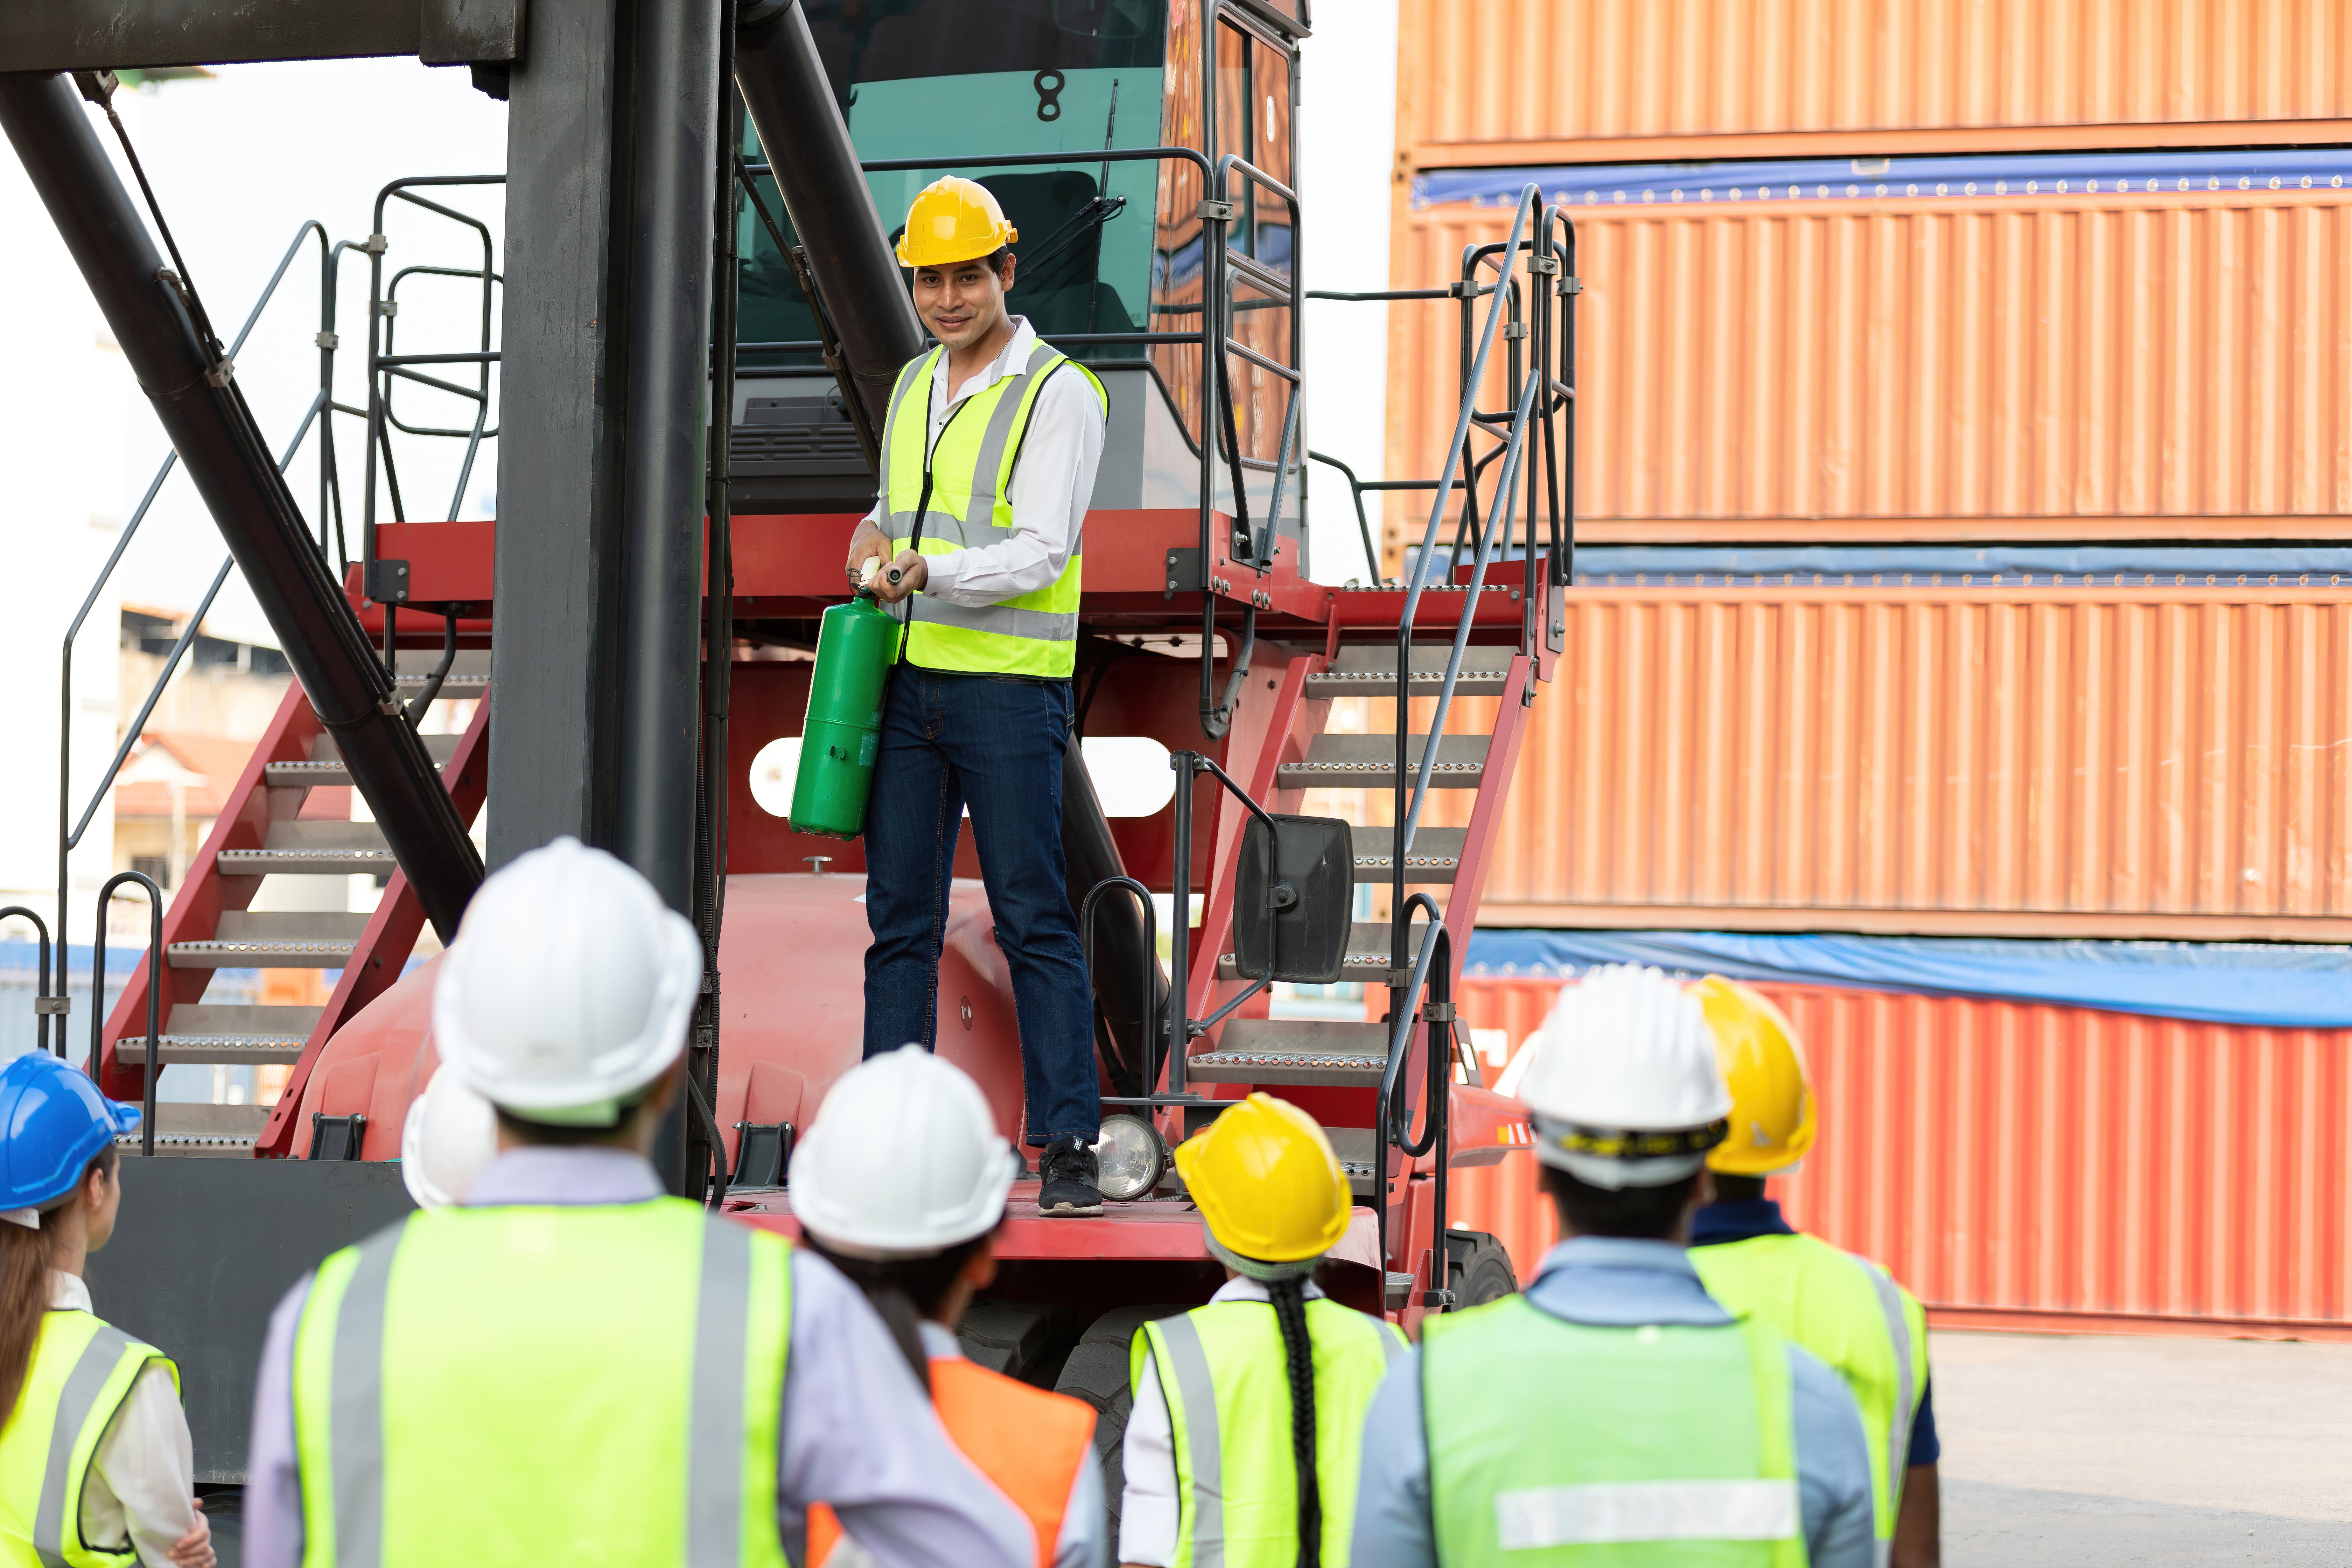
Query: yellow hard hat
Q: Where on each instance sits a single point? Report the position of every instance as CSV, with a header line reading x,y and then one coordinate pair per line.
x,y
1771,1101
953,219
1268,1186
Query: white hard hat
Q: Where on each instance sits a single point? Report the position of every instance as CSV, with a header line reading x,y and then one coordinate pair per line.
x,y
1623,1087
450,1134
568,988
903,1160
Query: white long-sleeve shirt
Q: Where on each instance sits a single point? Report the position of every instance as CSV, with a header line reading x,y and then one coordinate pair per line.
x,y
1052,482
1148,1506
140,1488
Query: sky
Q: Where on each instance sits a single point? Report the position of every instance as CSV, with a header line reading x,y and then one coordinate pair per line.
x,y
239,163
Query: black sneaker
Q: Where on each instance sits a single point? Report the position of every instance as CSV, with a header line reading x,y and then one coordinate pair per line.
x,y
1068,1168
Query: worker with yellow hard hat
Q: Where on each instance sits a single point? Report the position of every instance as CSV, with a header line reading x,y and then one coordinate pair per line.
x,y
1209,1477
1844,1309
1615,1412
989,450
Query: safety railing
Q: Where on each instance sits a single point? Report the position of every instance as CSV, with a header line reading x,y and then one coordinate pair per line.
x,y
1392,1112
71,829
42,1009
154,993
386,581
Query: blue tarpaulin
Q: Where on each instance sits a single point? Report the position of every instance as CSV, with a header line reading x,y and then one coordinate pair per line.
x,y
2257,983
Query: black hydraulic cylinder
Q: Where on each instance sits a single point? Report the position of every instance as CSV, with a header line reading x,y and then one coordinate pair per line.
x,y
209,424
1091,856
826,194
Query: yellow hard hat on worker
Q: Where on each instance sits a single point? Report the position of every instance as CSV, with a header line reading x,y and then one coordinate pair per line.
x,y
953,219
1269,1188
1771,1100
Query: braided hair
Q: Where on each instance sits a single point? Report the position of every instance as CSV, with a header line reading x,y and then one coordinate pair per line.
x,y
1289,1299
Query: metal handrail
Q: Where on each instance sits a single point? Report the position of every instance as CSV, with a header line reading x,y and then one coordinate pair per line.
x,y
69,836
1391,1122
41,1010
1148,962
154,992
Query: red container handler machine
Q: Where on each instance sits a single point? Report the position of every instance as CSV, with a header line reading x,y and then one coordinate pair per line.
x,y
1200,628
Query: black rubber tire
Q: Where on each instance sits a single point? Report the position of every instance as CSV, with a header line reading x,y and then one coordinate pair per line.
x,y
1478,1269
1097,1373
1027,1339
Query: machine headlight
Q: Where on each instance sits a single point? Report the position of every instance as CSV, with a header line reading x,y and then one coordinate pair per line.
x,y
1130,1158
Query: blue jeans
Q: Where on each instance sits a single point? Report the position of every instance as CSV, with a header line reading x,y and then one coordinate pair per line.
x,y
994,744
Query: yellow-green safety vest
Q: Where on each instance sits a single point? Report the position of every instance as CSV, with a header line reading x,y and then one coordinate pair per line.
x,y
1561,1445
514,1386
1225,1376
960,490
1850,1312
81,1372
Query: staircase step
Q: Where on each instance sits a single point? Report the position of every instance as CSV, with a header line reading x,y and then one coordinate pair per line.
x,y
1295,1050
226,1032
325,765
1368,950
296,940
314,849
1436,854
469,672
1349,761
214,1132
1368,669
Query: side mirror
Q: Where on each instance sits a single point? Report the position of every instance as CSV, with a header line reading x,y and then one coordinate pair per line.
x,y
1294,898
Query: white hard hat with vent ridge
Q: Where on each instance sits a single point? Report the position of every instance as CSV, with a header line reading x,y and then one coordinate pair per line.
x,y
903,1160
1623,1088
450,1134
568,989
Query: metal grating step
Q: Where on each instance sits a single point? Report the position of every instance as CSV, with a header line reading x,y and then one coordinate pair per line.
x,y
1367,959
226,1032
1295,1051
1346,762
325,765
469,672
1368,669
312,849
1436,854
204,1132
294,940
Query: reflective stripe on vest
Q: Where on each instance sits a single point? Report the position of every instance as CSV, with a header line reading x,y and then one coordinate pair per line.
x,y
953,494
80,1372
458,1380
1564,1444
1225,1377
1846,1310
1028,1442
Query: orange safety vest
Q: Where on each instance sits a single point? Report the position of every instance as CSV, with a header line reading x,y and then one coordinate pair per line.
x,y
1029,1441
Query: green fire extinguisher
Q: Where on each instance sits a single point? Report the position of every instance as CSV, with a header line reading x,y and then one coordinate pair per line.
x,y
855,647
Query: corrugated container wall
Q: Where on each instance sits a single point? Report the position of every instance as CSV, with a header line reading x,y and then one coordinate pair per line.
x,y
1949,364
2161,761
1494,81
2022,1165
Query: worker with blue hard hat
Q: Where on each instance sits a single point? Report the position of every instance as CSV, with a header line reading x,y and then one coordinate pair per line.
x,y
96,1465
1616,1412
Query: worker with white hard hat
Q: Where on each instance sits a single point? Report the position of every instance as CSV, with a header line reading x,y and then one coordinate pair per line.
x,y
450,1134
900,1182
567,1365
1844,1309
1615,1405
1244,1442
989,449
95,1458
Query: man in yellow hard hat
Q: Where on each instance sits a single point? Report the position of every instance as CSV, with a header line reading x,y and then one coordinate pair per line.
x,y
1845,1310
989,450
1247,1429
1614,1412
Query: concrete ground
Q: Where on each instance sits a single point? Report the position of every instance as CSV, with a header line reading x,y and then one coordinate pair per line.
x,y
2092,1451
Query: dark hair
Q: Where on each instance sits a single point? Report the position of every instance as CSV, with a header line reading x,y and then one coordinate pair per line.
x,y
999,259
26,1257
1289,1299
1738,1189
1640,1214
906,1290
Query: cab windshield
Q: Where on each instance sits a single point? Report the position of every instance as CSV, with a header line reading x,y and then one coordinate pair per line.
x,y
925,77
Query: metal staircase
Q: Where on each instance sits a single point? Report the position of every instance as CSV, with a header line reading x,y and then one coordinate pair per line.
x,y
261,840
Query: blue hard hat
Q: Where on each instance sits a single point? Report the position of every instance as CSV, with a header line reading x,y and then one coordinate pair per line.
x,y
53,1122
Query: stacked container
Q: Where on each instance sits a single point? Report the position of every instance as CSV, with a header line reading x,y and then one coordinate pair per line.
x,y
1964,484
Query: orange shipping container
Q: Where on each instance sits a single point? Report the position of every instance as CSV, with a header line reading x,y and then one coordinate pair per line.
x,y
2023,1166
1503,81
1940,363
1941,757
